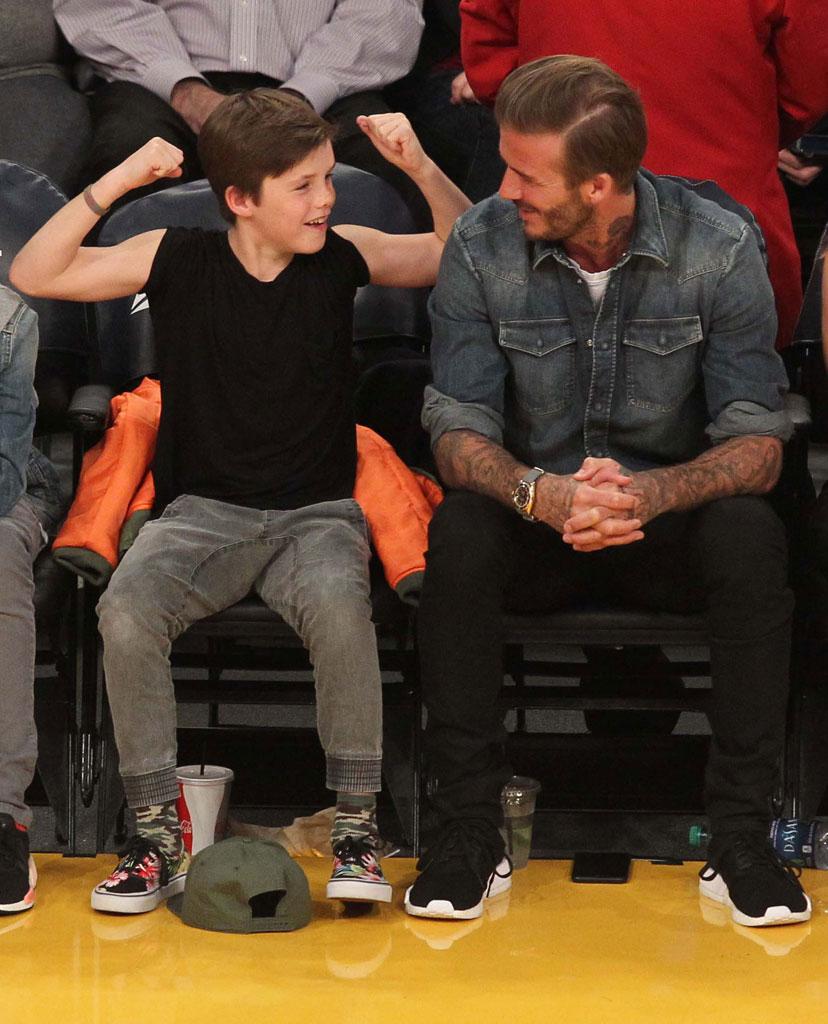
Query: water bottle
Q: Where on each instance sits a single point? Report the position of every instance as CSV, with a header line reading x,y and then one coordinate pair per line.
x,y
804,843
801,843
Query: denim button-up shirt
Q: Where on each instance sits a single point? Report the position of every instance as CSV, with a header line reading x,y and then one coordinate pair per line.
x,y
678,354
23,469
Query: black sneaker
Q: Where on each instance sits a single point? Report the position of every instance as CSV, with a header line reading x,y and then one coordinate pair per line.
x,y
18,875
141,880
463,868
750,877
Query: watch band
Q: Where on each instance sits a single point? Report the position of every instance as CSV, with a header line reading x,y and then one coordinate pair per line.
x,y
523,496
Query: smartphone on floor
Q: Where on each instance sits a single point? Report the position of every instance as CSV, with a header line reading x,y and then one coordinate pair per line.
x,y
602,867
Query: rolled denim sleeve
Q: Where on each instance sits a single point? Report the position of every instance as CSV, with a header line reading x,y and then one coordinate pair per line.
x,y
18,354
442,413
744,378
740,418
469,368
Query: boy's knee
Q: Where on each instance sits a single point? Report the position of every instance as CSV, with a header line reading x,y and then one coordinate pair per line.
x,y
123,611
338,601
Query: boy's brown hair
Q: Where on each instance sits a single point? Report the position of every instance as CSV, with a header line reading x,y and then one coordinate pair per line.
x,y
599,115
254,135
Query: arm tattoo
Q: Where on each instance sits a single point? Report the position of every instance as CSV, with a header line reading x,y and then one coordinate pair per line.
x,y
466,460
742,465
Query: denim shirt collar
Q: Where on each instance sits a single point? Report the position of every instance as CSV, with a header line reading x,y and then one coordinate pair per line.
x,y
648,239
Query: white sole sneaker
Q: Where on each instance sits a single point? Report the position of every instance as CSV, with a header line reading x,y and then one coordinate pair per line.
x,y
714,887
500,881
28,900
136,903
353,890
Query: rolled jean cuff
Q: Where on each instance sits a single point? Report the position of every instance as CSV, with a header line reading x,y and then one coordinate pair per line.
x,y
354,775
159,787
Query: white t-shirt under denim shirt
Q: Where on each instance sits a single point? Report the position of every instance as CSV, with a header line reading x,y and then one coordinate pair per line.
x,y
597,282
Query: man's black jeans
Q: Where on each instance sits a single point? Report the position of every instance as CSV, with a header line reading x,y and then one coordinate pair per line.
x,y
728,557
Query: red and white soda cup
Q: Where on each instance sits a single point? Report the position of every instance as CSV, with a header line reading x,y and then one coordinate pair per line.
x,y
203,799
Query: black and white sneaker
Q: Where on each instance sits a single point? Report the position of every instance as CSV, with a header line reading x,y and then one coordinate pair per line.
x,y
18,876
460,871
747,875
141,880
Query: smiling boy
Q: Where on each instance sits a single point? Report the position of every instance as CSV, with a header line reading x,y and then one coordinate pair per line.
x,y
256,455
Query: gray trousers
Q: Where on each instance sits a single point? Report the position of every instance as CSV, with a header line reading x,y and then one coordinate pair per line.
x,y
21,539
201,556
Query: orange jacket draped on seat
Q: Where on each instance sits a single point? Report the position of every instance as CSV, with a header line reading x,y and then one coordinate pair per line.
x,y
115,496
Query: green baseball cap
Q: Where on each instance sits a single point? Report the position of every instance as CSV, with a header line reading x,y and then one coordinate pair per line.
x,y
244,885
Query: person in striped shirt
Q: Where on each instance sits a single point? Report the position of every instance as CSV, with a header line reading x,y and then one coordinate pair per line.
x,y
162,66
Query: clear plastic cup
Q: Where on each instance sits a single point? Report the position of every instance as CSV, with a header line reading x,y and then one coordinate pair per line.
x,y
518,800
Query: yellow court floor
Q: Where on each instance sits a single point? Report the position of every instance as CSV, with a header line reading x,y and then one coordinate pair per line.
x,y
550,951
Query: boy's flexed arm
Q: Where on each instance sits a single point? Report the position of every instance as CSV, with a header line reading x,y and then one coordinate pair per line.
x,y
54,264
407,260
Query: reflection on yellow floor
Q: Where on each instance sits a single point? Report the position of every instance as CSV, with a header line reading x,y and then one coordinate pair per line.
x,y
550,951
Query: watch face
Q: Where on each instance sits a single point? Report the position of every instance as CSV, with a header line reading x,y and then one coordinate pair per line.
x,y
523,495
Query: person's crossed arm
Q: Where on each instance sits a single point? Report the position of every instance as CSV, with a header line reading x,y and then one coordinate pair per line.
x,y
741,465
601,505
469,461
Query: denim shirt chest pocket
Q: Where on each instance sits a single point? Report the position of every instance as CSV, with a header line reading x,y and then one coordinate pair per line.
x,y
541,354
661,361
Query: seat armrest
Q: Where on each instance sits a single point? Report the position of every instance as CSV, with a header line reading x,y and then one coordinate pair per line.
x,y
89,409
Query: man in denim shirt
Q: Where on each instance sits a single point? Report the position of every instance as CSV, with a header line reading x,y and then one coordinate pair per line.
x,y
30,505
616,332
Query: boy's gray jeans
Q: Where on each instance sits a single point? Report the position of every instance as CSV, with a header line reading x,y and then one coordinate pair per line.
x,y
21,539
201,556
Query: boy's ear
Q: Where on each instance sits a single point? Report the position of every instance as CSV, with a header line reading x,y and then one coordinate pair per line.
x,y
240,203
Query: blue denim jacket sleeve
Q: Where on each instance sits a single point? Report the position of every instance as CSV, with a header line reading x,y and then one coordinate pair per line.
x,y
469,367
18,354
744,378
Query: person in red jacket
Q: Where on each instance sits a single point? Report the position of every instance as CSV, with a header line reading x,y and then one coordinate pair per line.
x,y
724,85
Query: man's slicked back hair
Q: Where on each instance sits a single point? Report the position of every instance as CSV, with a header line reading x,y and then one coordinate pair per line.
x,y
254,135
599,115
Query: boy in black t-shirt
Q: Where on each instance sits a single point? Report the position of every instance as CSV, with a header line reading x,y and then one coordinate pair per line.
x,y
256,451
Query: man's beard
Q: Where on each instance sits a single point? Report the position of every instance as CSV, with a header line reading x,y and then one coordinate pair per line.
x,y
559,223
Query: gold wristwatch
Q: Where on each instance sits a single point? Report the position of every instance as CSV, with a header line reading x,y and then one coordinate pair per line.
x,y
523,496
